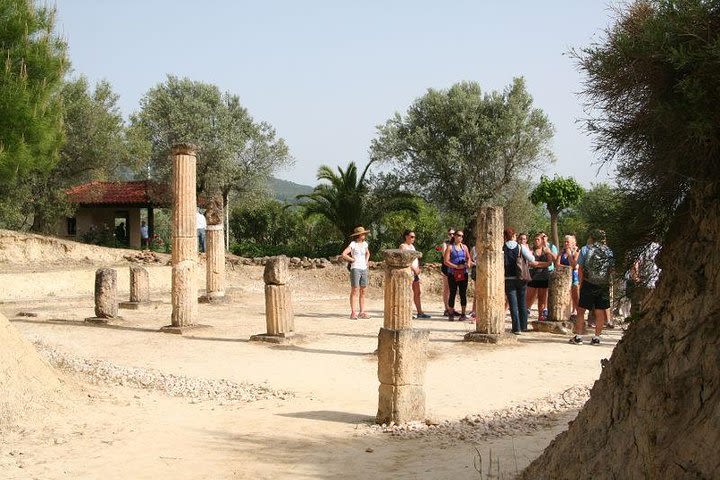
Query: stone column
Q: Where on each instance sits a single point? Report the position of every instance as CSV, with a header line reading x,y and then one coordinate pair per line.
x,y
279,315
184,239
402,350
139,288
106,304
489,278
214,254
559,302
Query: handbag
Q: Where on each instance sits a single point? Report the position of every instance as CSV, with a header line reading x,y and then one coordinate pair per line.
x,y
523,269
459,274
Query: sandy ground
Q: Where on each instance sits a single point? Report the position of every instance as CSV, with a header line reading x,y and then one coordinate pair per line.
x,y
322,430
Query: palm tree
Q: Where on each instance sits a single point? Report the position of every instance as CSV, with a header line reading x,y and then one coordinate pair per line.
x,y
347,201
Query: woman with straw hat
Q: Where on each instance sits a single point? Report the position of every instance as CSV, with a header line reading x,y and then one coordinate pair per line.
x,y
358,254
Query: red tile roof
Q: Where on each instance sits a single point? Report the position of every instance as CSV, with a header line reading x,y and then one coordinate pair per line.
x,y
134,193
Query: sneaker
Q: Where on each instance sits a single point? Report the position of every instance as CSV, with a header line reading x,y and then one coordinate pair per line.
x,y
576,340
423,315
595,340
463,318
451,318
516,333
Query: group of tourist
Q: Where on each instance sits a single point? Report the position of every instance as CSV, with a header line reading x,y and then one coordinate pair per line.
x,y
527,275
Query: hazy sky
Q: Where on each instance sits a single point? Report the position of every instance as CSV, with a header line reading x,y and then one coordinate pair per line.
x,y
326,73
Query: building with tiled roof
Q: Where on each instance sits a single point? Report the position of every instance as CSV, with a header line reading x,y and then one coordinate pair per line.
x,y
115,209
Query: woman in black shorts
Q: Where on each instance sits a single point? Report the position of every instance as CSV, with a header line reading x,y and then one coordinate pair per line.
x,y
538,286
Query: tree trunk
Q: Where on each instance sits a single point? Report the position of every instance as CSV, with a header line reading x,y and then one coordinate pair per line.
x,y
554,229
655,411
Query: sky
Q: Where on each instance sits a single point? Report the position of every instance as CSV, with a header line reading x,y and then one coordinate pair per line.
x,y
326,73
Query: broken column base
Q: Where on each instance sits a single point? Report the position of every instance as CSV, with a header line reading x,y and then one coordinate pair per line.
x,y
400,404
103,320
284,338
559,328
138,305
184,329
214,299
496,338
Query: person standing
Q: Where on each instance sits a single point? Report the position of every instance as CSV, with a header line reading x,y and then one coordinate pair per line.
x,y
515,286
569,257
358,254
596,262
201,226
408,244
144,235
457,259
538,286
444,270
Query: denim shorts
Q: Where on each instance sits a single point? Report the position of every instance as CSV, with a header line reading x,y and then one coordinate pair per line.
x,y
358,277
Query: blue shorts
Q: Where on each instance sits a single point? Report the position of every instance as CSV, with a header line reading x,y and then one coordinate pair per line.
x,y
358,277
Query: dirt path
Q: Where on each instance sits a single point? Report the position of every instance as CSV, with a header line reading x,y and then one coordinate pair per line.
x,y
323,430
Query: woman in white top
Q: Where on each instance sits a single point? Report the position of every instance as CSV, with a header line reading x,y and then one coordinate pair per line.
x,y
358,254
409,237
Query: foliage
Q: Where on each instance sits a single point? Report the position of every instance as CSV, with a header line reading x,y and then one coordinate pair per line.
x,y
653,85
235,153
459,148
425,222
30,111
348,200
557,195
519,212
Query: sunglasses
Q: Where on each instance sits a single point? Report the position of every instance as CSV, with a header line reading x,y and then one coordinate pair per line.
x,y
411,236
459,235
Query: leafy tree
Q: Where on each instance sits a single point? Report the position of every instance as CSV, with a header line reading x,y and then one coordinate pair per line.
x,y
519,212
459,148
557,194
30,111
653,84
31,133
426,222
347,200
235,153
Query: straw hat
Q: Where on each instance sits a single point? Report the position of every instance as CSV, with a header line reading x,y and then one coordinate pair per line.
x,y
359,231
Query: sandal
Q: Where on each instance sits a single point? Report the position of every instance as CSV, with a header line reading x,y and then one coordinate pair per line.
x,y
353,316
363,315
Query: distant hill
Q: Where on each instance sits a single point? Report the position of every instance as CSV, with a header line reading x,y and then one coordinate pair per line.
x,y
286,191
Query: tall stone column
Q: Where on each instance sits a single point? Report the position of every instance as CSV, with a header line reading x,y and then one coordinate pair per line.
x,y
106,304
139,288
214,254
279,315
184,239
489,278
402,350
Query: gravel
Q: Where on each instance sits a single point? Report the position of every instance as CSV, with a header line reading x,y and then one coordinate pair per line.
x,y
108,373
521,419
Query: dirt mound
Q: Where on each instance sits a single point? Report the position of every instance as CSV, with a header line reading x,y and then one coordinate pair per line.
x,y
20,249
27,383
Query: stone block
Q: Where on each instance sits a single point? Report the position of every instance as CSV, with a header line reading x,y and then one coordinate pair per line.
x,y
277,271
496,338
559,328
400,404
139,284
106,305
402,356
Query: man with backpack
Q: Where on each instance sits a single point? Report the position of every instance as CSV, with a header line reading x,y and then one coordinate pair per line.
x,y
596,263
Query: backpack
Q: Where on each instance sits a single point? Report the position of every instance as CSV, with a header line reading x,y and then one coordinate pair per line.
x,y
598,262
515,264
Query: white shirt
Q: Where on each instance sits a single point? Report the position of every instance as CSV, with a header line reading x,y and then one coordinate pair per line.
x,y
357,251
201,222
416,262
